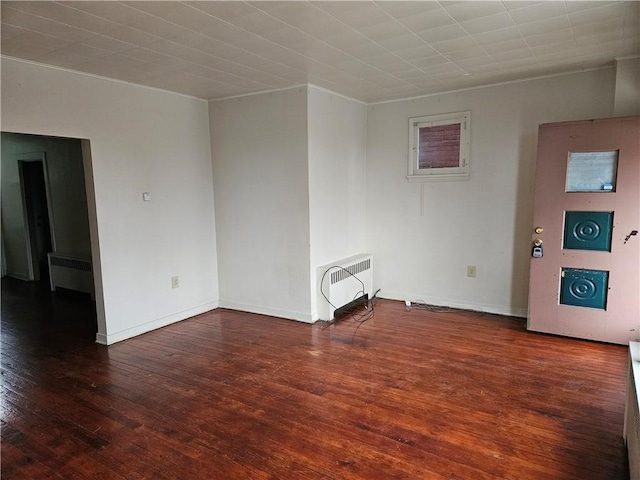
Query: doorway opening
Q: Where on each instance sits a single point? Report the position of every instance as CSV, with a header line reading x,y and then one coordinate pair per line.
x,y
37,219
46,233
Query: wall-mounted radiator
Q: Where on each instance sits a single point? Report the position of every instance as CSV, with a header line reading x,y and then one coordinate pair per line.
x,y
70,272
342,282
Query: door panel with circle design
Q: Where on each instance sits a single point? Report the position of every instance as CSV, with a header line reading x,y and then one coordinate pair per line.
x,y
585,265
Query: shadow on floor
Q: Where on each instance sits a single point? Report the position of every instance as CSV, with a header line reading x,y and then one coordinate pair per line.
x,y
31,311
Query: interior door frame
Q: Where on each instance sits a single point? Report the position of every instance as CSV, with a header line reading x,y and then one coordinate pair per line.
x,y
29,235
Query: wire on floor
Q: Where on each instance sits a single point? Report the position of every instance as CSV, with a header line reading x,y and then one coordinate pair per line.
x,y
422,305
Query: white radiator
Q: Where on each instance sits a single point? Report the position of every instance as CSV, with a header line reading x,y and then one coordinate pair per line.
x,y
70,272
341,282
632,412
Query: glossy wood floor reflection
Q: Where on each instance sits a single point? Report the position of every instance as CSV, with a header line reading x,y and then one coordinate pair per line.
x,y
229,395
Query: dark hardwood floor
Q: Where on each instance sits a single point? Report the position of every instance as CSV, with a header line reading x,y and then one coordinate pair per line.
x,y
231,395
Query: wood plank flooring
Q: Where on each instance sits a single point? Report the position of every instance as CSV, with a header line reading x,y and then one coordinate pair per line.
x,y
230,395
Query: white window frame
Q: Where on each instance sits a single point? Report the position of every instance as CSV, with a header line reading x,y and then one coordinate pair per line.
x,y
415,174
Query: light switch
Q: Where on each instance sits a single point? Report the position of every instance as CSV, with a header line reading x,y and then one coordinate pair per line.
x,y
146,196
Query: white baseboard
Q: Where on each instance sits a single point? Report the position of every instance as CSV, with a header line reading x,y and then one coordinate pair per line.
x,y
111,338
477,307
18,275
273,312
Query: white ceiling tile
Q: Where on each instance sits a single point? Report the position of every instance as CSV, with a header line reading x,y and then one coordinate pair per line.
x,y
549,38
475,61
133,36
615,25
464,11
106,43
472,52
485,38
409,74
158,26
515,54
32,43
157,8
258,45
91,53
383,31
346,38
216,49
302,15
289,58
183,15
291,13
28,21
402,42
427,62
545,26
539,11
144,55
488,67
417,52
67,14
516,4
426,20
497,47
290,37
600,14
577,5
440,34
9,31
326,54
224,10
553,48
455,44
356,14
599,39
384,59
487,24
322,25
116,12
363,51
407,9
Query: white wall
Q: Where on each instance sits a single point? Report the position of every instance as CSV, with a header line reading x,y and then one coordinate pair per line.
x,y
259,153
68,198
141,140
627,98
337,182
421,252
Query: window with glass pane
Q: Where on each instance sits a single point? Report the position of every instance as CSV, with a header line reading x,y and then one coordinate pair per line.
x,y
439,146
592,171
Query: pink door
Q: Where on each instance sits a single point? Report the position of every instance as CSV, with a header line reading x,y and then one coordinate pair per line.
x,y
585,265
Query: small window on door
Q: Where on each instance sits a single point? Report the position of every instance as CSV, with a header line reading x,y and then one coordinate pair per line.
x,y
592,171
438,146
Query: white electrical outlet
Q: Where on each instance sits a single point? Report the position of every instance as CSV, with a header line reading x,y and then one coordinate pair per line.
x,y
175,282
471,270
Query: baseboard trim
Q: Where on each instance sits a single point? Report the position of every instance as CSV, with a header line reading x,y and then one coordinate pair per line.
x,y
111,338
477,307
18,276
272,312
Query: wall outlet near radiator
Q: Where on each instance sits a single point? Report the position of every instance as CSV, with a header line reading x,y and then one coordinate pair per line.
x,y
471,270
175,282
